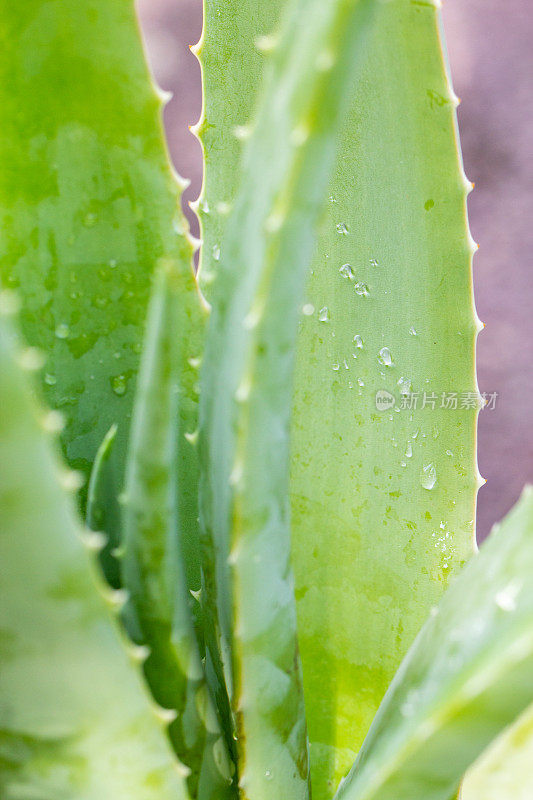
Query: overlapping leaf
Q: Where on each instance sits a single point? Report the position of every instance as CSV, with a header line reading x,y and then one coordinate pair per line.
x,y
246,388
74,718
87,205
466,678
382,496
158,614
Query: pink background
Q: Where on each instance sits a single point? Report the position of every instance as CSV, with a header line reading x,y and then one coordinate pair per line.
x,y
490,44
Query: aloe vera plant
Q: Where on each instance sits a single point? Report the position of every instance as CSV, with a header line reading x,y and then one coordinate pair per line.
x,y
362,479
286,531
74,720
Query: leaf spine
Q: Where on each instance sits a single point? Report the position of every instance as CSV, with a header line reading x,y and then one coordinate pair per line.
x,y
266,44
10,303
30,359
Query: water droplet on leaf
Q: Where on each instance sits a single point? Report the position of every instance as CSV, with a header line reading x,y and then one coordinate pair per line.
x,y
405,385
119,385
428,476
347,272
62,330
385,357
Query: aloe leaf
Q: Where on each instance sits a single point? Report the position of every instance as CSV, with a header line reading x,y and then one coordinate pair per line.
x,y
227,48
246,387
504,770
158,614
74,718
103,510
87,204
383,501
383,497
465,679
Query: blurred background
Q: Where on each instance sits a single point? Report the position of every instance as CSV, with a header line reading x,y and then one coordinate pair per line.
x,y
490,45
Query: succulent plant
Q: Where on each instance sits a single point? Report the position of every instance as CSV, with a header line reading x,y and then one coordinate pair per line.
x,y
273,460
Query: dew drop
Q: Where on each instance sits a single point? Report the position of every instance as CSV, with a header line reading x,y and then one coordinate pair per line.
x,y
347,272
409,450
268,775
113,263
336,366
50,379
342,228
216,252
323,314
404,385
361,289
119,385
385,357
358,341
428,476
361,382
412,331
308,309
62,330
374,262
333,199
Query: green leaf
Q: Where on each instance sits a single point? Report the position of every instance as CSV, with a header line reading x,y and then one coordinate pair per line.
x,y
74,719
103,510
466,678
373,546
246,388
158,613
87,204
383,497
504,770
227,48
